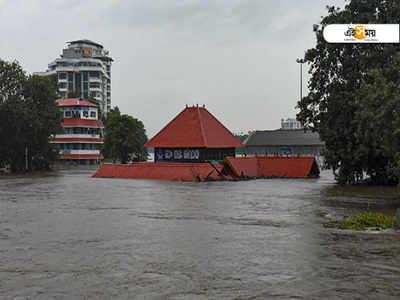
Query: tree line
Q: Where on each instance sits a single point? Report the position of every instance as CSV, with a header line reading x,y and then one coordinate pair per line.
x,y
29,116
354,97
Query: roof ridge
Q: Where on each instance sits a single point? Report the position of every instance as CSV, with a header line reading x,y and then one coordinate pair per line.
x,y
201,126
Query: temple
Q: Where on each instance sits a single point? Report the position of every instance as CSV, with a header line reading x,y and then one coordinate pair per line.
x,y
194,135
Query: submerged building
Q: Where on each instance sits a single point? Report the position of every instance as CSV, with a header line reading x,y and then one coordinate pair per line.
x,y
82,132
83,70
194,135
284,142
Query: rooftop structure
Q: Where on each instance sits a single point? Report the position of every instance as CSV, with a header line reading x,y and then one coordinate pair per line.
x,y
82,133
284,142
84,70
290,124
194,135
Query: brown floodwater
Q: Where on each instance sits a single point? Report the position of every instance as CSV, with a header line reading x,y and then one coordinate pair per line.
x,y
65,235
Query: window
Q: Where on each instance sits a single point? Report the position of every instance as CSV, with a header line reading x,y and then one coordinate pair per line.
x,y
93,114
70,81
94,85
94,74
62,75
68,114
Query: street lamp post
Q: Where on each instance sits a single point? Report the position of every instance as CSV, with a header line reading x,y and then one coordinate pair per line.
x,y
301,61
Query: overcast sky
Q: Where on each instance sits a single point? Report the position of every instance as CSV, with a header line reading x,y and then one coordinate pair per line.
x,y
238,57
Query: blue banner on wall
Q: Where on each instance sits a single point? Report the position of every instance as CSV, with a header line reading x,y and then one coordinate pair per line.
x,y
182,155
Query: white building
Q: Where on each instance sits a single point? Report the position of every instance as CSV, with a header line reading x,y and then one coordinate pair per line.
x,y
82,135
290,124
83,70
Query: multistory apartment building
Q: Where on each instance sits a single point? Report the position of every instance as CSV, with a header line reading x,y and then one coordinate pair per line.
x,y
83,70
82,132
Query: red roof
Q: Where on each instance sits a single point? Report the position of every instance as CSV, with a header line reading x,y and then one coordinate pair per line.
x,y
194,127
160,170
243,166
281,166
272,166
72,122
75,102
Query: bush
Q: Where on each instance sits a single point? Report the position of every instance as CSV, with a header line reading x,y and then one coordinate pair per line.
x,y
366,221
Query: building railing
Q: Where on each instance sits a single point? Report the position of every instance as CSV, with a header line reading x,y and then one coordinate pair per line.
x,y
71,151
71,135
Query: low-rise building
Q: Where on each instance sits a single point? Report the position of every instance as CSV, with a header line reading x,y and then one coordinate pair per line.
x,y
82,134
292,142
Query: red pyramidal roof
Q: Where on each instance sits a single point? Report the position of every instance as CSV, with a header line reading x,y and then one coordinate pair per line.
x,y
194,127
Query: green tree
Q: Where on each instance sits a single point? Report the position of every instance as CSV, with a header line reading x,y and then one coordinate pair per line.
x,y
12,78
378,121
42,121
333,104
29,116
124,138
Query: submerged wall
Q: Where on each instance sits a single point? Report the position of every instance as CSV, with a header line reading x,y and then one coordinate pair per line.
x,y
160,170
232,167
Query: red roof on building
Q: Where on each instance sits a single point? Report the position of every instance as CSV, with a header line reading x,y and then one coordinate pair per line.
x,y
75,102
194,127
160,170
76,122
273,166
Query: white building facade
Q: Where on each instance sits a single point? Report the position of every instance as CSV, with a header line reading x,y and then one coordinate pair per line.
x,y
290,124
83,70
82,135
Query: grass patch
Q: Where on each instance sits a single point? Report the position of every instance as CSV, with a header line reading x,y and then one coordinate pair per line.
x,y
367,221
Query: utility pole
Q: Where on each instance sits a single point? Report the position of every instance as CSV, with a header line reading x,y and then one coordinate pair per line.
x,y
301,61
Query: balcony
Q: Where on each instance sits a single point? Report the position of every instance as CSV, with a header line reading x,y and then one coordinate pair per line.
x,y
95,79
66,136
69,151
95,89
79,69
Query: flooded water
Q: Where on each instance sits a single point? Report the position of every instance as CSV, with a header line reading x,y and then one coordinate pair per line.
x,y
70,236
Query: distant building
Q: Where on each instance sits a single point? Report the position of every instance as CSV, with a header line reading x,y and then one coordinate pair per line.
x,y
293,142
290,123
82,134
83,70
